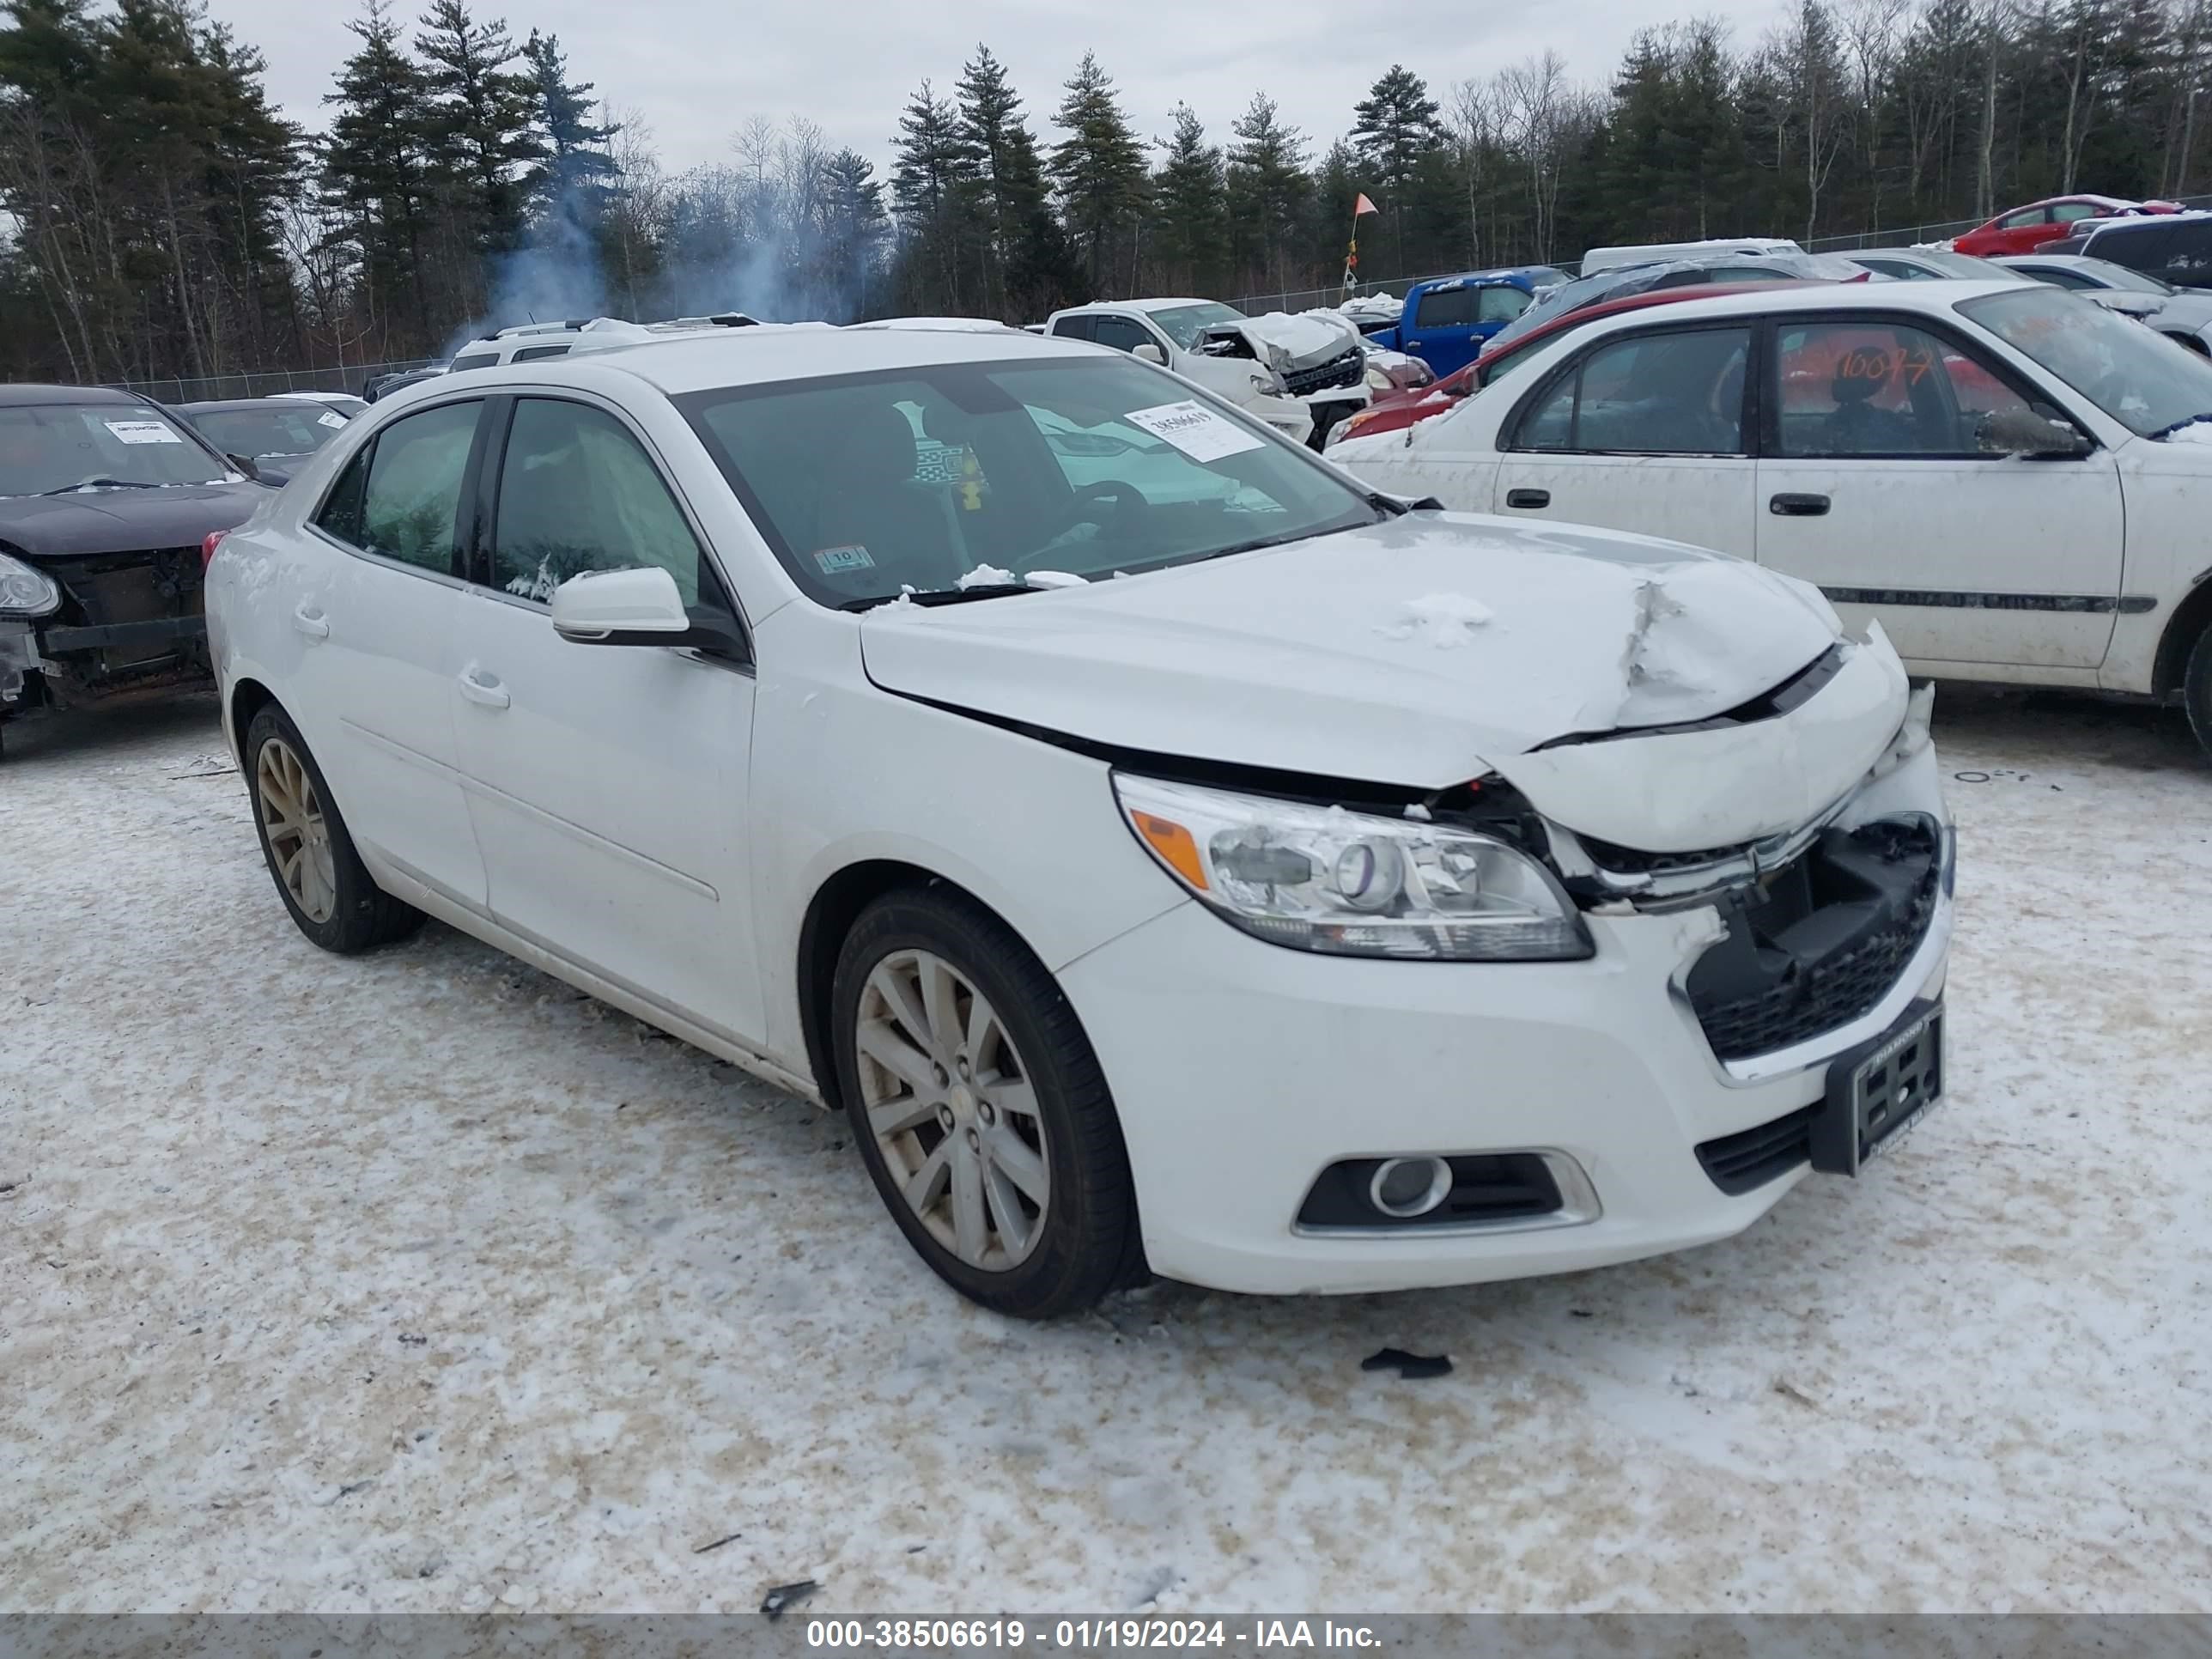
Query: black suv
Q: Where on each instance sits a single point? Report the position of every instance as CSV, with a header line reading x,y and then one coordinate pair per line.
x,y
105,503
2176,246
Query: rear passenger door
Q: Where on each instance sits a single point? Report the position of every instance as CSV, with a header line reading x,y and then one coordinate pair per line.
x,y
375,622
608,784
1644,432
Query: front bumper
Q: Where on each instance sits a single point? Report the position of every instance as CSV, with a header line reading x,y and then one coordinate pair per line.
x,y
1288,416
91,663
1243,1069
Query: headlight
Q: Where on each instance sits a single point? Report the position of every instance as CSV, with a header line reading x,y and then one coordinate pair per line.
x,y
1350,883
1267,382
1377,379
25,592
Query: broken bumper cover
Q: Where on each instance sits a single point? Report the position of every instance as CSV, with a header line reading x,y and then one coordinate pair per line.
x,y
55,649
1242,1071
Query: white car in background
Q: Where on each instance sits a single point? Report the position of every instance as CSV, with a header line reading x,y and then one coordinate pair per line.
x,y
1215,864
1300,374
2011,480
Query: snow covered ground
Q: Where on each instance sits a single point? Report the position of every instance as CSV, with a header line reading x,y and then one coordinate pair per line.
x,y
418,1281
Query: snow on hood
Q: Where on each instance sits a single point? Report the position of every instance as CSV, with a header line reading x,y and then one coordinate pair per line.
x,y
1426,652
1300,342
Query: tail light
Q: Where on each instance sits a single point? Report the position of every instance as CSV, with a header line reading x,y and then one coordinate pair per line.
x,y
208,546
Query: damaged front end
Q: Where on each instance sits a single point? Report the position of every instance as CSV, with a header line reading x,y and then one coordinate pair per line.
x,y
117,628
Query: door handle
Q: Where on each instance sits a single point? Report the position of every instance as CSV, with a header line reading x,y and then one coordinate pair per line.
x,y
313,624
479,687
1787,506
1528,498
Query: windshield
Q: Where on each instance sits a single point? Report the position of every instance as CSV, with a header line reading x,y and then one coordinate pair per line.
x,y
2113,276
301,430
48,448
867,485
2134,374
1964,264
1184,324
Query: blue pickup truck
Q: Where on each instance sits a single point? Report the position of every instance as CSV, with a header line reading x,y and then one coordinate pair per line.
x,y
1448,318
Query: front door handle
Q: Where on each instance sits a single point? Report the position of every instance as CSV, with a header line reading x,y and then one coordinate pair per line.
x,y
478,686
1528,498
1787,506
313,624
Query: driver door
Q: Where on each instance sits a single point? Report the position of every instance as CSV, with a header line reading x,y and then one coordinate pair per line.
x,y
1882,482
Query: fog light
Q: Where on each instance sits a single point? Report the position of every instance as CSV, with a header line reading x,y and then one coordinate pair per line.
x,y
1403,1187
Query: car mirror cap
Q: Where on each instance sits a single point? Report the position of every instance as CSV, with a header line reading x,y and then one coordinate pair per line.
x,y
621,607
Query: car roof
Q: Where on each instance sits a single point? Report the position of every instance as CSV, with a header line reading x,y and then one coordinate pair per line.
x,y
1754,299
774,353
16,397
1141,305
2138,223
1492,274
2042,258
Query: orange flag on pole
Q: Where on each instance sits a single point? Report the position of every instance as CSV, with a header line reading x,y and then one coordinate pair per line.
x,y
1362,207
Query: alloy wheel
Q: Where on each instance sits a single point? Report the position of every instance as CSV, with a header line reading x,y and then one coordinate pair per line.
x,y
298,836
953,1109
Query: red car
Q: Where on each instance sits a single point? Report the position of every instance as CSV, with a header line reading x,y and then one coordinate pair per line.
x,y
2025,229
1393,411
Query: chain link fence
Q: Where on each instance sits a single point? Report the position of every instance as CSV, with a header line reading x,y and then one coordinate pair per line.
x,y
209,388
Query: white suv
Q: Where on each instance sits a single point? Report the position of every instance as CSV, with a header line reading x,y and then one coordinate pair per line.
x,y
533,343
1162,849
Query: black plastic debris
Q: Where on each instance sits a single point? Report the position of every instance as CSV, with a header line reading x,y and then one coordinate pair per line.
x,y
1411,1367
786,1595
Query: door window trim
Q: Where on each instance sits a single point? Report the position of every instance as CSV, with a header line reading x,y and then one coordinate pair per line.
x,y
465,508
1509,429
1937,328
483,516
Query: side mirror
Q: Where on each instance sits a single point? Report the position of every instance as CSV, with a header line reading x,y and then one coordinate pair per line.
x,y
2038,433
641,606
621,607
1147,352
274,480
245,464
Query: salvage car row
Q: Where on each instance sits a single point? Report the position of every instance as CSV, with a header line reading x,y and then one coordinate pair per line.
x,y
1174,849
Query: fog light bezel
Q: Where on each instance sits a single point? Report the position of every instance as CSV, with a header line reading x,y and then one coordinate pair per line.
x,y
1439,1187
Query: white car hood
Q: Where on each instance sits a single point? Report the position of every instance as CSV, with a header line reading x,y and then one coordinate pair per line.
x,y
1288,341
1428,651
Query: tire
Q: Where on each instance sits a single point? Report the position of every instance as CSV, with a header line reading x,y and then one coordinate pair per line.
x,y
338,904
2196,690
1083,1239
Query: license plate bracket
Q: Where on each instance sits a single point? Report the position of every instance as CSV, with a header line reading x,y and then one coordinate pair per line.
x,y
1879,1090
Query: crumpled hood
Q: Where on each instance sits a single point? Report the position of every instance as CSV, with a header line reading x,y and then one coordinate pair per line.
x,y
1426,651
1287,342
82,524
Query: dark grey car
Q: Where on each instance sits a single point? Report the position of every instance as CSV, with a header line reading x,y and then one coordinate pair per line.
x,y
105,501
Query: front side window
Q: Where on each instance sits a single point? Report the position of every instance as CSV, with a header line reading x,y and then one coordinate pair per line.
x,y
577,493
1501,304
1859,388
2139,250
1898,269
867,485
2057,275
1120,333
2067,213
2189,252
54,449
401,498
2131,373
1679,392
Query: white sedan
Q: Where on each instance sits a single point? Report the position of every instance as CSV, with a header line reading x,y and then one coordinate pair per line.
x,y
2011,479
1213,866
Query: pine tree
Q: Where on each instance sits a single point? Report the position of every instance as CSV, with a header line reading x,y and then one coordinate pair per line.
x,y
1268,187
1027,265
480,124
1190,194
577,168
1099,169
933,165
375,160
1395,130
854,227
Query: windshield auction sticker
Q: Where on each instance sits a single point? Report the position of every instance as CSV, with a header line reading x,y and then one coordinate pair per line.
x,y
1194,429
143,432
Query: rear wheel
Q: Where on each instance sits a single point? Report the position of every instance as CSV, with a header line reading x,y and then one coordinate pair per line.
x,y
2196,690
980,1109
324,884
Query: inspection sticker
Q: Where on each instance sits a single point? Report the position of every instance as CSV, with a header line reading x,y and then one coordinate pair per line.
x,y
330,418
144,432
1194,429
832,561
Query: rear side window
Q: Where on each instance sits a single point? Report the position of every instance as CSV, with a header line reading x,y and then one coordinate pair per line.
x,y
1448,307
2189,253
532,354
1501,304
478,360
1119,332
1670,394
2138,250
1074,328
577,493
2023,219
401,497
2057,275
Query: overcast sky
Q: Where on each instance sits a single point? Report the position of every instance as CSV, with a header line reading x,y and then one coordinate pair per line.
x,y
698,68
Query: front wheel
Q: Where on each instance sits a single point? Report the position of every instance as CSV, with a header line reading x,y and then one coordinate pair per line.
x,y
328,889
980,1109
2196,690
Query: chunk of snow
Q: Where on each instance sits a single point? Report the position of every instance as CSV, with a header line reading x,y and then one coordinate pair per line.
x,y
1442,619
1418,812
1056,579
2199,434
986,575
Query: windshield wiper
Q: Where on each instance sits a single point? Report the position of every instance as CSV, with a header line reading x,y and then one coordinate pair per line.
x,y
2186,420
936,596
100,483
